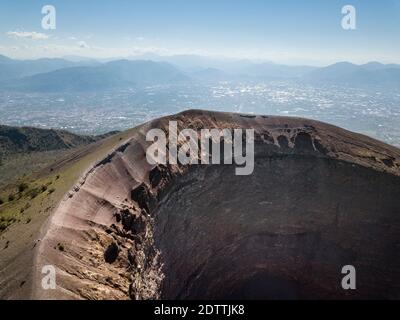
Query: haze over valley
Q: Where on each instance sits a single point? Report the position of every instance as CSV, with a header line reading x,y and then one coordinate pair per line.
x,y
94,97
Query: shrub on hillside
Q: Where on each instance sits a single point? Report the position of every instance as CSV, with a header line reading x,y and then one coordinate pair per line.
x,y
22,187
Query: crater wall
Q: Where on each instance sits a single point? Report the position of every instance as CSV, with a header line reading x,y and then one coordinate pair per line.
x,y
319,198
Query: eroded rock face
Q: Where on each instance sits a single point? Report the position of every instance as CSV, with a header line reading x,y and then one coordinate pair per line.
x,y
111,253
320,198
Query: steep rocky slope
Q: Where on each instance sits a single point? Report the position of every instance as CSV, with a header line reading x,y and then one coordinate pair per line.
x,y
18,242
320,198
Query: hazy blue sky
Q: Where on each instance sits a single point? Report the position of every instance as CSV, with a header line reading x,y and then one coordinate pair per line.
x,y
286,31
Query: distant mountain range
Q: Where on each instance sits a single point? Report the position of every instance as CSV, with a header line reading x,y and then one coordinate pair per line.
x,y
62,75
372,73
27,139
236,68
15,69
111,75
16,139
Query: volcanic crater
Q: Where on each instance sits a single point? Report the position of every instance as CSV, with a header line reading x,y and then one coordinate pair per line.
x,y
319,198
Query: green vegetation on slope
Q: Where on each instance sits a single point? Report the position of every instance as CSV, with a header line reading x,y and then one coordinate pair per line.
x,y
25,150
25,139
41,187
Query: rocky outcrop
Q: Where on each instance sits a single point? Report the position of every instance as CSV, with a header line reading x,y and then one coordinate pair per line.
x,y
319,198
